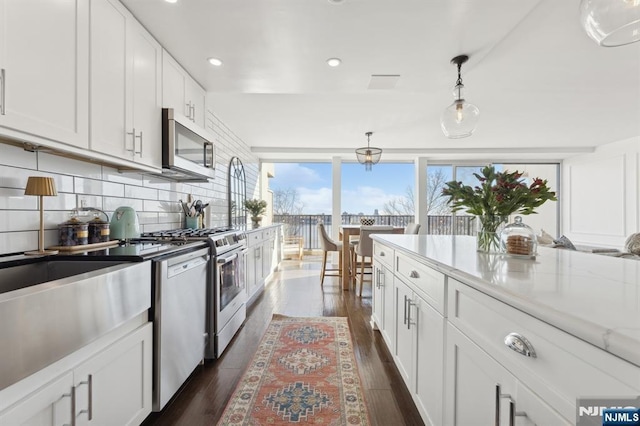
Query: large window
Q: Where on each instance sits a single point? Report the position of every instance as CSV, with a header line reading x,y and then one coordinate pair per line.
x,y
442,221
384,193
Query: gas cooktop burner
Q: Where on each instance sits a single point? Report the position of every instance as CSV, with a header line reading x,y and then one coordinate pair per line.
x,y
187,232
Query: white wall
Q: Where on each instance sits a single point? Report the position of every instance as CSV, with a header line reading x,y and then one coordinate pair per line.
x,y
155,199
601,205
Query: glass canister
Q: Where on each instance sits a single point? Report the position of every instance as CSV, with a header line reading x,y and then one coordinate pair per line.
x,y
519,240
73,232
98,230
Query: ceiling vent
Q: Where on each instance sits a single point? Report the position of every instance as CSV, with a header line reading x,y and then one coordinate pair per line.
x,y
383,81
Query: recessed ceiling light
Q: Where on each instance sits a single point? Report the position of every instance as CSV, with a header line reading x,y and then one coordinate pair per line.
x,y
171,1
336,1
215,61
333,62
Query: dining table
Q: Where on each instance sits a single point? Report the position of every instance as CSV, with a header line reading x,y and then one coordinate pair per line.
x,y
346,231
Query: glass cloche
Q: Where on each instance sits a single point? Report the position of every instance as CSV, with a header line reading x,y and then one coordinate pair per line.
x,y
518,239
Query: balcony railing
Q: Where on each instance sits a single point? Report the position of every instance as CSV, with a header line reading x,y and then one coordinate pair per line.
x,y
304,225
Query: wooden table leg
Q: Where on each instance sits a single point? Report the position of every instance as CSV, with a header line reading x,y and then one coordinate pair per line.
x,y
346,281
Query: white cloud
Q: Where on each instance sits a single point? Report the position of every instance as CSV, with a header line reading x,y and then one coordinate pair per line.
x,y
365,199
294,175
315,200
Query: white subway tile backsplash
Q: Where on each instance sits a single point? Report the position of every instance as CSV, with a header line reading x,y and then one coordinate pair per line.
x,y
114,175
16,156
170,217
161,206
60,202
168,196
14,177
14,199
19,220
19,241
112,203
140,192
68,166
98,187
147,218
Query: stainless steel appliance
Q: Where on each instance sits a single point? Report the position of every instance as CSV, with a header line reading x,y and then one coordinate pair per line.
x,y
226,288
124,224
188,152
180,273
179,305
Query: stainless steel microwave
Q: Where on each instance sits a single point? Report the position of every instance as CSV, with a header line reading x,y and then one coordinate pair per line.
x,y
188,152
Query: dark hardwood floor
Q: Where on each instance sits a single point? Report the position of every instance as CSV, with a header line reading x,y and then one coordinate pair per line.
x,y
295,291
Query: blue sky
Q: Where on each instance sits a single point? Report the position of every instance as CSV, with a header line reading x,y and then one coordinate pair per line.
x,y
362,191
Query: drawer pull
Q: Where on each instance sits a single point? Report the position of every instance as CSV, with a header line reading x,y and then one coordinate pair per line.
x,y
414,274
520,344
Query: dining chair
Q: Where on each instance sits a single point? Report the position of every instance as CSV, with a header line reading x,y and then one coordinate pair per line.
x,y
364,249
327,245
412,228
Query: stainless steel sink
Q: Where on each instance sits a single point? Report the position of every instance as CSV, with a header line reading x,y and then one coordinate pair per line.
x,y
50,309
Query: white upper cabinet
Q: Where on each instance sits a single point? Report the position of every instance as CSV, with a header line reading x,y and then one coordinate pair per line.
x,y
146,88
125,86
181,92
44,70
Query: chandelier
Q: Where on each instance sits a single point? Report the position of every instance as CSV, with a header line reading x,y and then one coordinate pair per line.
x,y
460,118
611,23
369,155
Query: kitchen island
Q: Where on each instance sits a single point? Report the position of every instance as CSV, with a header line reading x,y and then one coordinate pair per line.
x,y
572,319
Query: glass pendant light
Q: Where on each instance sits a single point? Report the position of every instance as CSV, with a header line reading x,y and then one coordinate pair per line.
x,y
611,23
369,155
460,118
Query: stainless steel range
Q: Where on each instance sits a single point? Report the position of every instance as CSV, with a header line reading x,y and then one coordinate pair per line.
x,y
226,288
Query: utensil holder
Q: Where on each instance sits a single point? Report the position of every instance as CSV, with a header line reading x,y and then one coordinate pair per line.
x,y
191,222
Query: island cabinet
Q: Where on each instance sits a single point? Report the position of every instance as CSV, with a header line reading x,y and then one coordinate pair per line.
x,y
383,307
504,348
126,104
106,383
553,365
44,71
419,320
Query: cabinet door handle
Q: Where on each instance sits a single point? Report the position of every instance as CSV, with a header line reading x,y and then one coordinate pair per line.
x,y
405,310
410,303
134,144
71,395
89,410
193,113
2,90
188,110
73,406
382,254
414,274
520,344
133,140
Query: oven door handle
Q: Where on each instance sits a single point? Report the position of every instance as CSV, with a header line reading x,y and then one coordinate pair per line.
x,y
222,260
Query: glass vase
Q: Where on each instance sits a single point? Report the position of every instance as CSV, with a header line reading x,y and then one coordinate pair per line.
x,y
489,228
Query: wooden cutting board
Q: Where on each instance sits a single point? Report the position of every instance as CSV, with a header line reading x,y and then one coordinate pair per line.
x,y
86,247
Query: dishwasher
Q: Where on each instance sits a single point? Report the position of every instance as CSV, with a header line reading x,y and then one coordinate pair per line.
x,y
179,300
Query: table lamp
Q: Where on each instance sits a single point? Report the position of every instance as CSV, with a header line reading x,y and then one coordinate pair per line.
x,y
41,186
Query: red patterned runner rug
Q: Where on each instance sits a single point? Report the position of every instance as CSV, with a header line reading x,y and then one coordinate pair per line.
x,y
304,371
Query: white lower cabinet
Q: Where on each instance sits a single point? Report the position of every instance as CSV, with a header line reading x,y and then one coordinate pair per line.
x,y
48,406
113,387
419,352
383,306
480,391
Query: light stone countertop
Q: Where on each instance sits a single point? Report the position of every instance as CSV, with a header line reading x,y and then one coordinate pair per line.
x,y
593,297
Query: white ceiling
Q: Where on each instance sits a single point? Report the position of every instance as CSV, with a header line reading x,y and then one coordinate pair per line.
x,y
544,89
